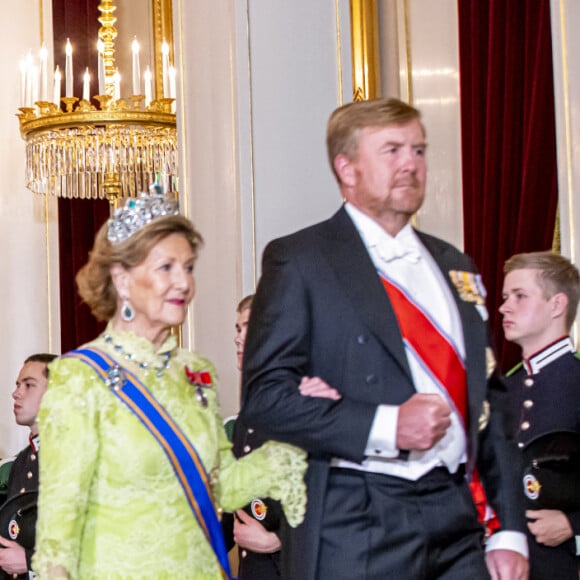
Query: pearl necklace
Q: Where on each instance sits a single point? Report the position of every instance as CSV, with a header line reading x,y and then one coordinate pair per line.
x,y
145,366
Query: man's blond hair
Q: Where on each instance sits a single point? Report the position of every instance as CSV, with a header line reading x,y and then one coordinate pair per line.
x,y
346,122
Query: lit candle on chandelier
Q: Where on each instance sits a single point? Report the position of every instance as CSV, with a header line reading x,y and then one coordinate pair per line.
x,y
101,66
23,74
43,73
34,85
147,77
136,68
117,85
68,70
87,85
28,101
56,93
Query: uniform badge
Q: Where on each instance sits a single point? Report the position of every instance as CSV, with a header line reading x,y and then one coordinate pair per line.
x,y
532,487
259,509
484,417
13,529
469,286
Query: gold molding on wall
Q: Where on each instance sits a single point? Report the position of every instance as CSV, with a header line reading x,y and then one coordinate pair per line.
x,y
567,124
365,49
407,44
162,30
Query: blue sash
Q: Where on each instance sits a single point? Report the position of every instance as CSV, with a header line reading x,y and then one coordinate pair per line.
x,y
179,450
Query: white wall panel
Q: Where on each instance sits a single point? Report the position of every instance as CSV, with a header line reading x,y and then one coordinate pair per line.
x,y
434,54
565,15
29,264
260,79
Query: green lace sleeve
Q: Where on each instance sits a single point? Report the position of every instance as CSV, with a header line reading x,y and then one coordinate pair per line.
x,y
274,470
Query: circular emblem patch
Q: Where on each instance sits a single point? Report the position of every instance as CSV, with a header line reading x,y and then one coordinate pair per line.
x,y
532,487
13,529
259,509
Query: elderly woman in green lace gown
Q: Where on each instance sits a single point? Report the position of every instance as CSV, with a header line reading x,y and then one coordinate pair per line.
x,y
119,496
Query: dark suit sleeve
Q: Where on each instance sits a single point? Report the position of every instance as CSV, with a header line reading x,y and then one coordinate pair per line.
x,y
574,519
29,555
228,530
499,460
287,326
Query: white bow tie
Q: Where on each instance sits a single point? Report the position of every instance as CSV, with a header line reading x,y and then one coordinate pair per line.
x,y
394,249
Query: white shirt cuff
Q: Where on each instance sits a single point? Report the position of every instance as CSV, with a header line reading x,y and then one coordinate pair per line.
x,y
382,441
507,540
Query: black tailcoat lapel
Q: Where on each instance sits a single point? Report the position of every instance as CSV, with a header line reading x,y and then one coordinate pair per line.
x,y
347,255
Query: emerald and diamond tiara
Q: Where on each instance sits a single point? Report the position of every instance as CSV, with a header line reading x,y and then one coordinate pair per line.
x,y
140,211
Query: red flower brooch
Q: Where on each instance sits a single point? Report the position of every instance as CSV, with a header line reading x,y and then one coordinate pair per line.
x,y
200,380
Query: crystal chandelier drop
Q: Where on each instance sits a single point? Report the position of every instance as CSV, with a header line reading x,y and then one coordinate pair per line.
x,y
113,150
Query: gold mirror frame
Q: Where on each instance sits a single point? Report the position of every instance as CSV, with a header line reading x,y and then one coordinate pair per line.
x,y
364,30
162,30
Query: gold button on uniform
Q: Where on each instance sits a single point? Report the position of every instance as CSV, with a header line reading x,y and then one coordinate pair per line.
x,y
528,404
32,457
528,382
244,553
23,490
29,475
520,445
247,448
525,426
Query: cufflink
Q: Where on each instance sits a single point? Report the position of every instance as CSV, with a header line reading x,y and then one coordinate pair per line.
x,y
490,362
484,417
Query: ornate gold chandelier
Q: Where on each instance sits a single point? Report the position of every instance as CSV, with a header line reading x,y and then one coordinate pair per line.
x,y
114,150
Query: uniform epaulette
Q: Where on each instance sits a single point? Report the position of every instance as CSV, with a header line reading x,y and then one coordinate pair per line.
x,y
515,369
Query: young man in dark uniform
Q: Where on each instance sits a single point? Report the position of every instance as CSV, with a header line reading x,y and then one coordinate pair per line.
x,y
18,513
541,292
255,527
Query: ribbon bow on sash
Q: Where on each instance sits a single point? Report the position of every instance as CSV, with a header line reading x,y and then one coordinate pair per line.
x,y
200,380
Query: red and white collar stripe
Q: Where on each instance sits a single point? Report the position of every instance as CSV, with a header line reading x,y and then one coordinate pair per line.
x,y
549,354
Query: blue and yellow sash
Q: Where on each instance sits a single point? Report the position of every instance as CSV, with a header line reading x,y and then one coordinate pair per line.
x,y
179,450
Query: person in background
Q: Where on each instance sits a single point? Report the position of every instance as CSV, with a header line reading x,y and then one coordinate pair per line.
x,y
18,514
136,464
540,300
394,321
255,527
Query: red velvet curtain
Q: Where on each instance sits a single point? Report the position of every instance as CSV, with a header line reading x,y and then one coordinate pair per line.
x,y
78,219
508,131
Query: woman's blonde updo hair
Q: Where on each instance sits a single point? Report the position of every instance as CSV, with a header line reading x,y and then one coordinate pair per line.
x,y
94,278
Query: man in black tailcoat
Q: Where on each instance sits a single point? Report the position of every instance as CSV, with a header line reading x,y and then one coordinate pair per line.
x,y
392,324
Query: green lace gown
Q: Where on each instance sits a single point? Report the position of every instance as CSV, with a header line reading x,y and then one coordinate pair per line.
x,y
110,505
